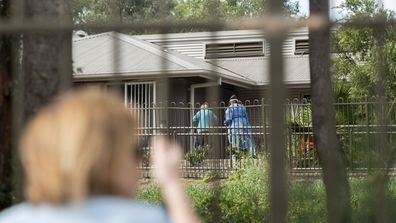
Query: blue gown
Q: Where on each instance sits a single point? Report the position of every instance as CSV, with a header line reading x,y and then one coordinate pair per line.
x,y
239,131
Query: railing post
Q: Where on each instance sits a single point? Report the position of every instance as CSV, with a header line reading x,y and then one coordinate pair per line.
x,y
367,128
289,135
264,125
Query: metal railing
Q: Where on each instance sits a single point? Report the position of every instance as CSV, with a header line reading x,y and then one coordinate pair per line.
x,y
212,142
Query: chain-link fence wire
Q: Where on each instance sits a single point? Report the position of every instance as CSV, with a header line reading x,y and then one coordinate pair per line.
x,y
23,24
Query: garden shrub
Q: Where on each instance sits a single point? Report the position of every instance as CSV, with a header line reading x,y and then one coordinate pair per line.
x,y
150,194
238,153
202,198
243,196
196,156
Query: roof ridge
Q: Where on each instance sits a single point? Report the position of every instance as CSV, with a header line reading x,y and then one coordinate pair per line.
x,y
180,57
159,51
91,36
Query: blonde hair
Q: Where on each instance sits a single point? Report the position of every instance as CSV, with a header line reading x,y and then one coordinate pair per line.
x,y
205,105
70,149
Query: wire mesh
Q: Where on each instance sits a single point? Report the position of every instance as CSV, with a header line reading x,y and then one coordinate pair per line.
x,y
282,129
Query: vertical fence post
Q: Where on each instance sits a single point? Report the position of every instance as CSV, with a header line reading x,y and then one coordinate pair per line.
x,y
18,100
278,178
277,173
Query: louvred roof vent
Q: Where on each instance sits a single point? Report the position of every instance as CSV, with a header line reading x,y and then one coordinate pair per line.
x,y
301,47
239,49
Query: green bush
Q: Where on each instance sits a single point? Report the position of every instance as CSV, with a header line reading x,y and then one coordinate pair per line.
x,y
202,198
237,152
243,196
196,156
150,194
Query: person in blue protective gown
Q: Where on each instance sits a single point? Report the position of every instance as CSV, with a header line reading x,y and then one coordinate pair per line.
x,y
239,130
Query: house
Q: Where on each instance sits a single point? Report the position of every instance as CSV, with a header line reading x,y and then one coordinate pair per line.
x,y
236,61
246,53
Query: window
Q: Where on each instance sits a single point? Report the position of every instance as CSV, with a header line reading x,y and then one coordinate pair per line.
x,y
140,96
301,47
238,49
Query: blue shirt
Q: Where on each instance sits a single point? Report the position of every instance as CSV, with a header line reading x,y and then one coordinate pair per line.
x,y
204,119
94,210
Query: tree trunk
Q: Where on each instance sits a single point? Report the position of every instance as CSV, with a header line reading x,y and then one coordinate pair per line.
x,y
47,61
323,118
5,116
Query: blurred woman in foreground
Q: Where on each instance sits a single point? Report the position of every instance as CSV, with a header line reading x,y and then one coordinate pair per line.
x,y
80,161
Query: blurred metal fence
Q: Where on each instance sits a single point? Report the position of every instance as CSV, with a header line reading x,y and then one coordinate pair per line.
x,y
362,127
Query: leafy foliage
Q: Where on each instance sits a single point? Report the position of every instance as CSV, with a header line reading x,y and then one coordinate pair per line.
x,y
355,66
89,11
199,9
151,194
238,153
244,198
241,198
356,76
202,197
196,156
300,116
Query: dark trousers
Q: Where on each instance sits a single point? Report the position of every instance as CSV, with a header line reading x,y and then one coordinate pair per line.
x,y
202,139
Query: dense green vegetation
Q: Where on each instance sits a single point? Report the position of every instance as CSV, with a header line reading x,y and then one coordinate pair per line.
x,y
243,197
355,66
85,11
